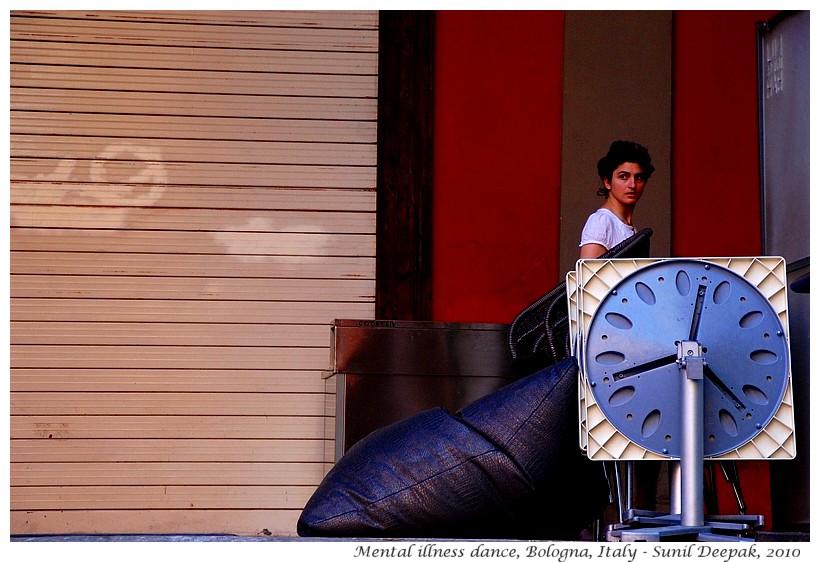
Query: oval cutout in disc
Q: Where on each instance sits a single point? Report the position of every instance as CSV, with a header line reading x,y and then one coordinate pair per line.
x,y
727,422
618,320
683,283
751,319
645,293
722,292
610,358
755,394
651,423
763,356
622,395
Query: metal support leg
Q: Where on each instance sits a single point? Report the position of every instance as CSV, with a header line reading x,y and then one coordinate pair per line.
x,y
729,469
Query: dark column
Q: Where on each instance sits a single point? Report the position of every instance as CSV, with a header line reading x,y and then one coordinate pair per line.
x,y
405,165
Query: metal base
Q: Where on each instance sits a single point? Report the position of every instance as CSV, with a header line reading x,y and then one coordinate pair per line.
x,y
651,526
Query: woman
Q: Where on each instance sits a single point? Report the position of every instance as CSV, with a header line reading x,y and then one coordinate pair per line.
x,y
624,172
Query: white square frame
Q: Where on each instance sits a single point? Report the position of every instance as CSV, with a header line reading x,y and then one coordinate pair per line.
x,y
587,286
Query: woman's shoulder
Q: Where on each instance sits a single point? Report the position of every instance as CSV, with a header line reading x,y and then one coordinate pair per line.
x,y
602,216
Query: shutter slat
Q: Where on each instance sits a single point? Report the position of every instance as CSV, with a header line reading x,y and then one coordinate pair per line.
x,y
245,245
194,81
185,196
201,58
188,104
160,497
165,357
91,310
170,288
249,522
165,450
170,473
148,33
200,128
347,19
147,333
221,220
167,265
152,155
165,403
167,380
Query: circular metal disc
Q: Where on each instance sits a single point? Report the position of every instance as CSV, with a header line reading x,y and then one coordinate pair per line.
x,y
631,355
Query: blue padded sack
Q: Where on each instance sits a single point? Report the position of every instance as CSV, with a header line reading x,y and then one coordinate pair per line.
x,y
505,466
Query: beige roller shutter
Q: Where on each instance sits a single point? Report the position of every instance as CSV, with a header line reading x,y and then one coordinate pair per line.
x,y
192,204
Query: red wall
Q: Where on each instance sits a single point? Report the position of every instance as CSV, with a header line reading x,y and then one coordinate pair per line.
x,y
498,96
498,91
716,188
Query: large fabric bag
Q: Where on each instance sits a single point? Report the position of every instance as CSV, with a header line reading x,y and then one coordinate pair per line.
x,y
505,466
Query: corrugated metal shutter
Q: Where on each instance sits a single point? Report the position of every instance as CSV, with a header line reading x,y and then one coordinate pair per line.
x,y
192,204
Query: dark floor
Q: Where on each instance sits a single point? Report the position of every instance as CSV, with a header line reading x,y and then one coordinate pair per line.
x,y
760,537
154,538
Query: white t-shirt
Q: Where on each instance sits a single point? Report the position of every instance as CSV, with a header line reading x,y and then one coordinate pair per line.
x,y
605,228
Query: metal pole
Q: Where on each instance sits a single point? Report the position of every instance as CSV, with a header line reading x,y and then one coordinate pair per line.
x,y
690,361
674,487
618,489
630,484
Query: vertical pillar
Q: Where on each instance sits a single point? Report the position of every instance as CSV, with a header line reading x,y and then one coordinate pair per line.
x,y
404,165
690,360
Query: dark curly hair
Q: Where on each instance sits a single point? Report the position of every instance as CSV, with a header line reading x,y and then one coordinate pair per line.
x,y
622,151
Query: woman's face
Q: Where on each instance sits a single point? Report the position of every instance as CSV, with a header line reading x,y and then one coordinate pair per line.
x,y
627,184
